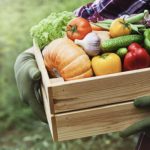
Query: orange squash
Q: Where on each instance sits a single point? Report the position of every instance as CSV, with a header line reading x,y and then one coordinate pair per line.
x,y
65,58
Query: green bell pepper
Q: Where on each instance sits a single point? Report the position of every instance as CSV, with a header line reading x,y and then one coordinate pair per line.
x,y
147,40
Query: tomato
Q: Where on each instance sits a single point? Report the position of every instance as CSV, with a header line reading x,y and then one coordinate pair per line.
x,y
107,63
119,28
78,28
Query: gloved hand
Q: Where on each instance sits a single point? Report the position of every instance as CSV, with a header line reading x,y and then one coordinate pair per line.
x,y
143,125
28,81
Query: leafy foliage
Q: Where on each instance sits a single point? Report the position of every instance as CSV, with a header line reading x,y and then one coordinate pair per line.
x,y
51,28
18,126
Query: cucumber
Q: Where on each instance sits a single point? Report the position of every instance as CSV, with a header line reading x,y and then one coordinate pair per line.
x,y
121,52
114,44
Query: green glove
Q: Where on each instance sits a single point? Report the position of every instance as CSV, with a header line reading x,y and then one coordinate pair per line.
x,y
28,81
143,125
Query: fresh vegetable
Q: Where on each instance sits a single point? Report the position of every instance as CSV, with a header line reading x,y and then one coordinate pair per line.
x,y
121,52
63,57
147,40
119,42
137,17
78,28
95,27
103,25
136,58
133,47
138,28
90,44
103,35
119,28
51,28
106,64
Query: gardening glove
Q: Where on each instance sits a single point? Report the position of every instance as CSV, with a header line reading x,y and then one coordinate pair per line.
x,y
143,125
28,78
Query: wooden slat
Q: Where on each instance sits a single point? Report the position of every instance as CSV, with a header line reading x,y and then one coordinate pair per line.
x,y
60,96
46,81
50,118
103,90
45,78
96,121
41,66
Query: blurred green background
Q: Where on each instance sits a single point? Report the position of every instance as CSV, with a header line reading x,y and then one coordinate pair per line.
x,y
19,128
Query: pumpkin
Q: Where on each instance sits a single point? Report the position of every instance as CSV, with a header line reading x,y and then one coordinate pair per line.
x,y
64,58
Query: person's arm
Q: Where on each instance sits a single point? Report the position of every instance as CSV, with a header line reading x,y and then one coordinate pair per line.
x,y
28,78
111,9
143,125
143,142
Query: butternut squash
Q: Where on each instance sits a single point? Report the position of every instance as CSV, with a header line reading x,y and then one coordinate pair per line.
x,y
63,57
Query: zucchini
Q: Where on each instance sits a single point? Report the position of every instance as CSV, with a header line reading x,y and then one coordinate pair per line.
x,y
114,44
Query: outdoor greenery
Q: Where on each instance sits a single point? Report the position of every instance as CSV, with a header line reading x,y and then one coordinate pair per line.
x,y
19,128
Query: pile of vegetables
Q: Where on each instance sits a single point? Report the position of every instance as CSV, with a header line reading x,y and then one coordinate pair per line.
x,y
79,49
51,28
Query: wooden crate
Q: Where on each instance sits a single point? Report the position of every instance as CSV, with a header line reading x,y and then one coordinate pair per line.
x,y
92,106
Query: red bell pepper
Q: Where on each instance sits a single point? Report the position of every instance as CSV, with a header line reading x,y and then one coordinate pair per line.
x,y
136,58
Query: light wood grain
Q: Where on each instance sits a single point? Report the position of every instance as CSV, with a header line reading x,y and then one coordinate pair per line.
x,y
97,121
41,65
85,100
50,117
103,90
45,78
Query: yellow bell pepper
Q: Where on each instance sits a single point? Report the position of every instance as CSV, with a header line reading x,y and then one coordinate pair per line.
x,y
106,63
119,28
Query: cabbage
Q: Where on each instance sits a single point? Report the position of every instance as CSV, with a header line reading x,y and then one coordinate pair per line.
x,y
51,28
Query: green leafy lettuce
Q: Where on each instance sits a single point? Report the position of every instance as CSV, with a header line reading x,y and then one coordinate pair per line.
x,y
51,28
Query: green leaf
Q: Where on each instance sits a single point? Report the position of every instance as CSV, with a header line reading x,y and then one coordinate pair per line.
x,y
134,28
